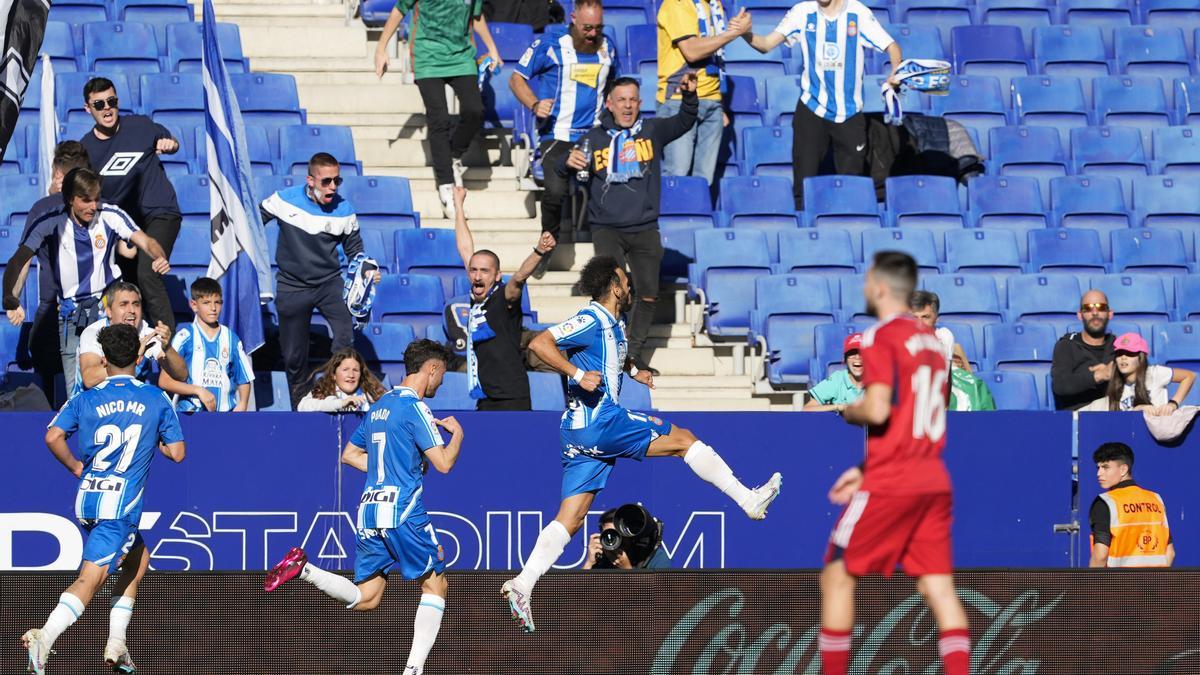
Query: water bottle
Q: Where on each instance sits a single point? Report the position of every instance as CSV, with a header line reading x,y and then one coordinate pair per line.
x,y
584,146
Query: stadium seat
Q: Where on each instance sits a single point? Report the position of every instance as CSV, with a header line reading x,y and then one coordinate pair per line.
x,y
816,251
641,46
499,102
453,394
759,202
59,44
783,94
917,242
967,299
118,47
1024,14
974,101
384,343
1033,152
1071,51
300,142
158,14
768,151
194,194
262,163
1182,14
1124,100
1149,249
68,97
1187,294
941,14
742,59
1026,348
635,395
1092,202
1066,250
193,249
727,263
1177,151
979,250
416,300
20,192
512,39
174,98
685,206
1007,203
829,339
1043,298
429,251
843,202
270,100
77,14
924,201
1109,151
917,41
1168,202
745,110
1013,390
996,51
1144,51
381,201
185,44
546,391
1057,102
1138,299
911,101
1177,345
1103,14
788,307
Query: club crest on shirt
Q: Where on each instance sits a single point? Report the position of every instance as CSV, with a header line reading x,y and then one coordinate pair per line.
x,y
852,28
810,28
99,241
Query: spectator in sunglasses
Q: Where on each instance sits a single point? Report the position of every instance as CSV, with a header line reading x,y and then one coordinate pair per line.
x,y
1083,360
314,220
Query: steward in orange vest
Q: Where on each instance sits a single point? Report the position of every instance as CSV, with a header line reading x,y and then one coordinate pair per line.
x,y
1129,523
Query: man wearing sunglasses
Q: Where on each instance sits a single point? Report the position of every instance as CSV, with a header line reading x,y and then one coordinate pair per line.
x,y
1083,361
124,150
314,220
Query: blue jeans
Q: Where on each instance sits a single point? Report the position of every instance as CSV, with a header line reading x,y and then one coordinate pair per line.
x,y
694,153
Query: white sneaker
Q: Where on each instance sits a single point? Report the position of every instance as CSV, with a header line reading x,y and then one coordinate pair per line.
x,y
117,657
518,602
763,496
456,166
446,197
38,651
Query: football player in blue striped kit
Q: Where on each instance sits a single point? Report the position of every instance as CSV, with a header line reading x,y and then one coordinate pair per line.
x,y
392,443
120,423
596,431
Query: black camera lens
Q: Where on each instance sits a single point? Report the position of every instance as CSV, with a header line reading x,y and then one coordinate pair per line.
x,y
610,540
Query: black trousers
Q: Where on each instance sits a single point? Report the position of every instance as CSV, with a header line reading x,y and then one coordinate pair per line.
x,y
504,404
641,254
555,186
156,305
295,307
443,145
811,136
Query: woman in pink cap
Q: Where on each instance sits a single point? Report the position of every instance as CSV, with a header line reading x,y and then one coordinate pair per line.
x,y
1138,386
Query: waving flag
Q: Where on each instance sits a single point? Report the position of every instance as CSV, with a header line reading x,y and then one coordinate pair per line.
x,y
22,26
239,242
48,121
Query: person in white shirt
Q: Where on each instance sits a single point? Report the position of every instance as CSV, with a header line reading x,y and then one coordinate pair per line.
x,y
122,303
344,384
1139,386
926,308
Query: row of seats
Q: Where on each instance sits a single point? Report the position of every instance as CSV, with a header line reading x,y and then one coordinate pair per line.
x,y
170,41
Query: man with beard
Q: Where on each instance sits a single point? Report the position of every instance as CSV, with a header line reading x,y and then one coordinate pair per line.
x,y
596,431
123,304
495,369
571,70
1083,361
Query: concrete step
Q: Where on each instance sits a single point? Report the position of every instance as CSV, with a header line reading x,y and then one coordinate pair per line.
x,y
282,12
670,404
278,42
514,205
530,226
681,361
218,4
666,384
361,75
700,394
483,173
415,153
360,98
351,63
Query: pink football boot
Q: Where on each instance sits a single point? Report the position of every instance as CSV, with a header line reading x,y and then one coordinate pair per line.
x,y
286,570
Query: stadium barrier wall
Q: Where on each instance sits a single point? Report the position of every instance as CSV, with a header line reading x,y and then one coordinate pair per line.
x,y
679,622
252,486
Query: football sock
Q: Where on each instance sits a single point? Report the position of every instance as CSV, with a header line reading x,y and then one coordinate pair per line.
x,y
708,465
67,612
955,648
425,629
835,651
335,586
118,617
550,544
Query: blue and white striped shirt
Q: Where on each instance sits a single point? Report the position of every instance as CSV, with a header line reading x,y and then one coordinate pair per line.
x,y
833,52
593,340
83,258
219,365
574,80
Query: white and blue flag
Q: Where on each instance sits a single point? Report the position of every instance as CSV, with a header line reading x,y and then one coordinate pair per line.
x,y
48,121
239,243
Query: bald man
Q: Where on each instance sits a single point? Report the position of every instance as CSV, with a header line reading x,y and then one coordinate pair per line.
x,y
1083,361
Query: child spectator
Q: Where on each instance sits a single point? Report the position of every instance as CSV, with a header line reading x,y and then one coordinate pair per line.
x,y
219,371
344,384
1138,386
842,388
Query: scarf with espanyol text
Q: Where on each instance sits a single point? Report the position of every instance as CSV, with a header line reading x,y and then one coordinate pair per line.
x,y
359,288
928,76
478,331
710,24
623,163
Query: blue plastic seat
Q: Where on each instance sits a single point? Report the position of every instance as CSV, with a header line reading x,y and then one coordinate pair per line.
x,y
619,19
972,300
262,162
742,59
116,46
1182,14
975,101
59,44
635,395
727,263
829,338
269,100
1109,151
1145,51
76,14
1091,202
194,193
996,51
68,97
499,102
941,14
924,201
783,94
1103,14
788,307
911,100
1024,14
416,300
850,300
816,251
453,395
1149,249
185,44
745,110
158,14
1169,202
1043,298
1013,390
1032,152
374,14
174,98
384,344
917,41
843,202
1177,345
685,207
381,201
193,249
917,242
641,46
759,202
512,39
1066,250
1007,203
1057,102
768,151
546,391
1071,51
1187,294
1177,151
1139,299
20,192
429,251
298,143
1124,100
978,250
1016,347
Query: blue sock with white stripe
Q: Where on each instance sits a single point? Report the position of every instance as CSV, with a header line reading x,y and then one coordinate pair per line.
x,y
118,617
68,611
425,629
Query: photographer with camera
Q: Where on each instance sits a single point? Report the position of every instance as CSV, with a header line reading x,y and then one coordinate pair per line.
x,y
629,538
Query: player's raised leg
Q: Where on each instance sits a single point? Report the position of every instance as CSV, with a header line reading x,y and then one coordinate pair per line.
x,y
40,641
427,622
295,564
708,465
133,569
551,542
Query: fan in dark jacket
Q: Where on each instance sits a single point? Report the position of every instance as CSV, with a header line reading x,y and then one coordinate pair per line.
x,y
624,189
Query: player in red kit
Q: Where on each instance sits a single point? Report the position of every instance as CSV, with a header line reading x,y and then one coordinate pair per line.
x,y
898,502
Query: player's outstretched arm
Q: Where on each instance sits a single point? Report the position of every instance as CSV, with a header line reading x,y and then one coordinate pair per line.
x,y
173,451
546,349
873,408
355,457
56,440
444,457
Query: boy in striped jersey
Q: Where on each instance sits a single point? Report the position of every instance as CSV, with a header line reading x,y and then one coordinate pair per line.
x,y
120,423
392,443
219,371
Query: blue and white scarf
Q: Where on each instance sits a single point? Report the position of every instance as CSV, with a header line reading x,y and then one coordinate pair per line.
x,y
713,23
478,331
623,163
359,289
928,76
